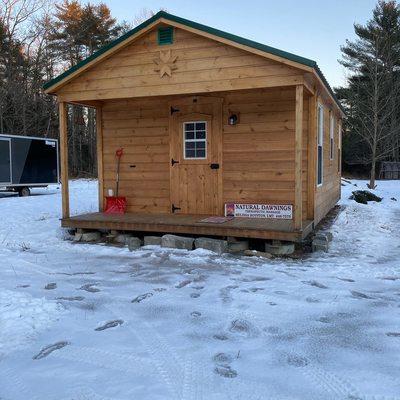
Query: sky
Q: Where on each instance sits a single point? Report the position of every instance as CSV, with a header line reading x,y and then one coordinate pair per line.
x,y
314,29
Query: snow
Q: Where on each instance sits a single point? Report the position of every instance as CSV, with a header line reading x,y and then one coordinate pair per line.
x,y
80,321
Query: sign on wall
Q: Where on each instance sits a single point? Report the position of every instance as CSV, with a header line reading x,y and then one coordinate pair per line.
x,y
276,211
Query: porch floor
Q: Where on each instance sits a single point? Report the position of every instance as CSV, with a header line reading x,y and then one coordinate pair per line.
x,y
278,229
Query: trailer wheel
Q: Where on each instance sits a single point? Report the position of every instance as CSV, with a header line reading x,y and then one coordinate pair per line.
x,y
24,192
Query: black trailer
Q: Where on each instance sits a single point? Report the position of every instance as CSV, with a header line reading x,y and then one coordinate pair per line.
x,y
27,162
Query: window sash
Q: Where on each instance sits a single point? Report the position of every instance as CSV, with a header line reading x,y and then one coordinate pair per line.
x,y
199,144
320,141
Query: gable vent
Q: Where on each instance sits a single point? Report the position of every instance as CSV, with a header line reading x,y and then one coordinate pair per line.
x,y
165,35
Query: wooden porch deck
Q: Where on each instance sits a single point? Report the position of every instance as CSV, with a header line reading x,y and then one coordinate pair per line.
x,y
278,229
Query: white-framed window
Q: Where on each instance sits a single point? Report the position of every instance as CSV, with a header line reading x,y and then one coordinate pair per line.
x,y
339,147
320,145
195,140
331,135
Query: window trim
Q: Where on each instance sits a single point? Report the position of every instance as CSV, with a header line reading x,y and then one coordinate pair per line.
x,y
331,136
320,143
339,147
195,140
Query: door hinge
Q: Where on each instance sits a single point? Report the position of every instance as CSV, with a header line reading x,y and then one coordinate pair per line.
x,y
174,110
173,162
173,208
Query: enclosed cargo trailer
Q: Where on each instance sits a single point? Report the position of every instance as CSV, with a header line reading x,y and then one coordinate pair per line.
x,y
27,162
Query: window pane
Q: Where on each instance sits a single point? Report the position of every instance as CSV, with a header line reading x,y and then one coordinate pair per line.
x,y
319,167
189,126
189,135
200,153
189,153
190,145
200,145
200,134
200,126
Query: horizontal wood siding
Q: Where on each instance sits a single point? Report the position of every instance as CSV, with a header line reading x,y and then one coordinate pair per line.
x,y
328,194
258,153
141,129
202,65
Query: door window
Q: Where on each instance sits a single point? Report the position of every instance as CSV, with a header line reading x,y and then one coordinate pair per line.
x,y
195,140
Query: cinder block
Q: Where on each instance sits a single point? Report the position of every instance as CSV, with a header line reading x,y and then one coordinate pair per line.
x,y
152,240
122,238
133,243
177,242
278,248
237,245
91,236
216,245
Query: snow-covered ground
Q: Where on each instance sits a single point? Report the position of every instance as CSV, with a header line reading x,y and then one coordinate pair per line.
x,y
80,321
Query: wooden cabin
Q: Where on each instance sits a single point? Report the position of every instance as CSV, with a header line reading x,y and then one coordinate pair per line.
x,y
210,124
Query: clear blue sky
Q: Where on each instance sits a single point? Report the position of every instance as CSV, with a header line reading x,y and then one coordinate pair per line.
x,y
311,28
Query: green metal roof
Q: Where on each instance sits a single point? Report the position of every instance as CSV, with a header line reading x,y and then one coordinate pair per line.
x,y
200,27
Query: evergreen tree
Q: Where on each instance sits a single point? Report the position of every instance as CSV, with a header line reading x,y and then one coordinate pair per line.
x,y
373,93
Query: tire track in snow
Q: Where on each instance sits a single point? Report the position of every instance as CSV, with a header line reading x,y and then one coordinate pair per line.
x,y
105,359
169,365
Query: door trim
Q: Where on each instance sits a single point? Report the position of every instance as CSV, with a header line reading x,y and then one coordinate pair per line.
x,y
9,149
217,132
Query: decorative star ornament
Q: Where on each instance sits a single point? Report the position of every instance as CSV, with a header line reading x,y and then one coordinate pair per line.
x,y
166,63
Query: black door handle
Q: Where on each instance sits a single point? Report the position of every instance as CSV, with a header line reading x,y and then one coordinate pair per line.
x,y
214,166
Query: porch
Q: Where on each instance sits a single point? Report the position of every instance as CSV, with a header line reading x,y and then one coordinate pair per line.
x,y
274,229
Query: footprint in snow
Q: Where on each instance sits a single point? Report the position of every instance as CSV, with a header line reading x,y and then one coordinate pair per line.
x,y
346,280
393,334
225,371
221,337
110,324
141,297
161,289
195,314
296,361
324,320
359,295
182,284
71,298
23,286
243,328
194,295
90,287
49,349
51,286
315,284
222,358
312,300
390,278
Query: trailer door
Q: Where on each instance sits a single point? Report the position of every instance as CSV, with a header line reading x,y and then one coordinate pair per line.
x,y
5,161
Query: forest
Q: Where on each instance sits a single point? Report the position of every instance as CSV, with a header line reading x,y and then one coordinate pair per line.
x,y
39,39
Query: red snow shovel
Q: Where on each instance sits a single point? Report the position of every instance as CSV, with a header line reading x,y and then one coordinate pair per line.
x,y
116,204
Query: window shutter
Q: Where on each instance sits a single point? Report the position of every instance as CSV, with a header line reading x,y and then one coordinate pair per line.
x,y
165,35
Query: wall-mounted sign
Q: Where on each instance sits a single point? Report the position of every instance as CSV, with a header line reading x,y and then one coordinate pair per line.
x,y
278,211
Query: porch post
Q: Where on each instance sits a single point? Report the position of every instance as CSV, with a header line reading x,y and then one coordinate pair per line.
x,y
99,142
62,114
312,148
298,209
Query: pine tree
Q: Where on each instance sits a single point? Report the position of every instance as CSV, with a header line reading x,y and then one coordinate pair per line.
x,y
373,92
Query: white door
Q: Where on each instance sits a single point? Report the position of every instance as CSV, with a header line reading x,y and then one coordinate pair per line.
x,y
5,161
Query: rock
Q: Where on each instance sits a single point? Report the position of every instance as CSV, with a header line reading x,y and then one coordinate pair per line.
x,y
77,236
279,248
364,196
319,245
133,243
255,253
177,242
91,236
236,245
152,240
324,236
216,245
122,238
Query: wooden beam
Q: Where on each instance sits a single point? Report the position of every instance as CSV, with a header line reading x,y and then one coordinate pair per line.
x,y
62,114
298,217
100,169
312,149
